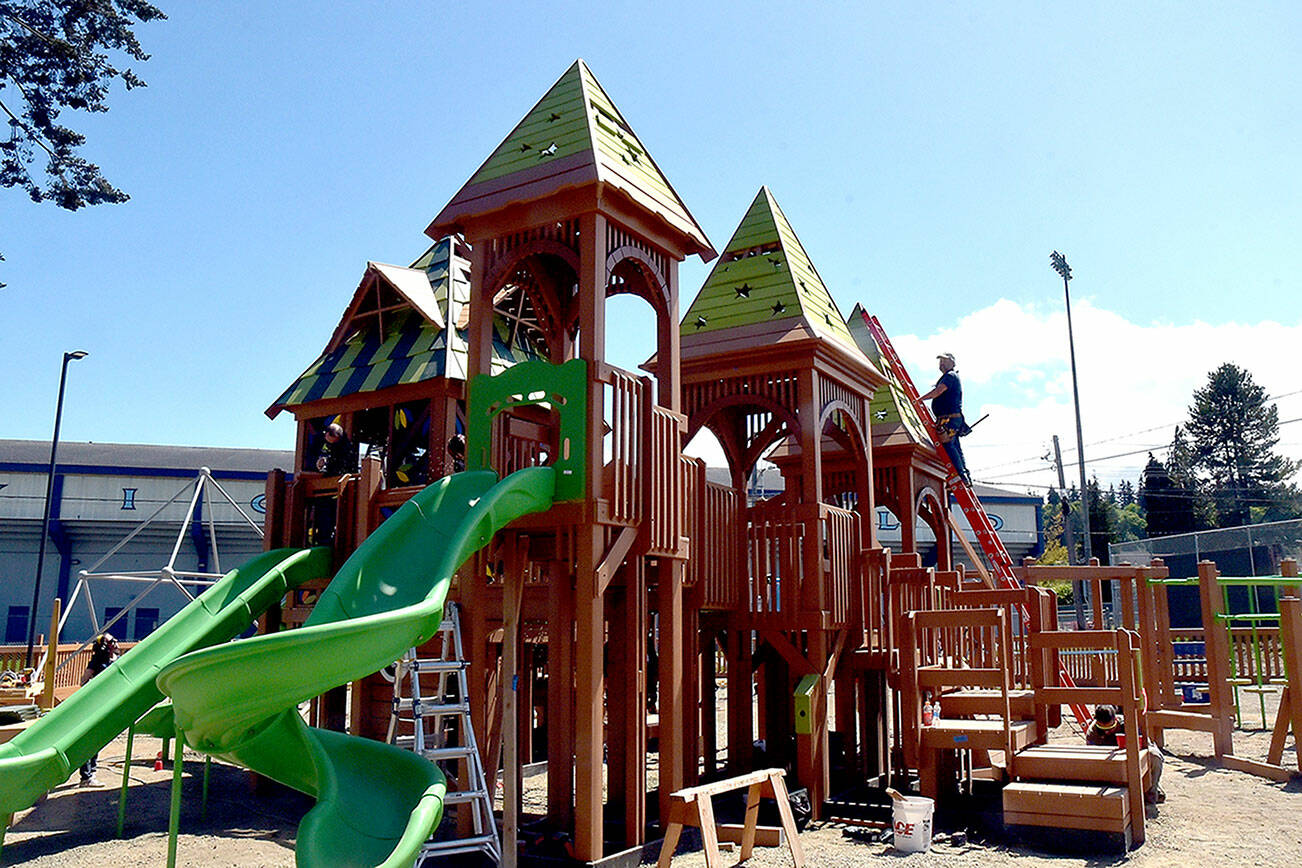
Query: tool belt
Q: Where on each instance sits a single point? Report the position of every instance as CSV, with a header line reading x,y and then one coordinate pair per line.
x,y
949,426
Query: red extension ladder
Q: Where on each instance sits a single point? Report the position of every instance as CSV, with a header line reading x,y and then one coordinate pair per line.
x,y
1001,564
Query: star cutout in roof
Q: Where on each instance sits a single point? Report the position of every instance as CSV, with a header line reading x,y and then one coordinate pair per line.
x,y
778,307
743,291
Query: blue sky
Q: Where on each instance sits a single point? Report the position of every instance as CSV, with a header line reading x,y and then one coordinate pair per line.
x,y
930,156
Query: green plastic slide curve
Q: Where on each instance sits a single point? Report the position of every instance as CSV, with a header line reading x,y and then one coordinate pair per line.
x,y
376,804
42,756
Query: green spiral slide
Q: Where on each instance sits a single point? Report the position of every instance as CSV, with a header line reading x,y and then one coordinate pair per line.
x,y
376,804
42,756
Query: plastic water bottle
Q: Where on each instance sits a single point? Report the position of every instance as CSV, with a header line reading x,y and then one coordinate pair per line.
x,y
928,712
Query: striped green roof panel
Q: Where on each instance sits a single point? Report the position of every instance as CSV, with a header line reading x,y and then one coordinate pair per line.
x,y
889,405
556,127
765,275
577,117
411,350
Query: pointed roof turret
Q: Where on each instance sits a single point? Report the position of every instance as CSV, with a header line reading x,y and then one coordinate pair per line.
x,y
765,282
890,410
574,136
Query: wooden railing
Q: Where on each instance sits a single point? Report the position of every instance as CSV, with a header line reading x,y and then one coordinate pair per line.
x,y
667,509
1266,661
775,536
842,564
716,555
70,664
911,588
783,590
625,444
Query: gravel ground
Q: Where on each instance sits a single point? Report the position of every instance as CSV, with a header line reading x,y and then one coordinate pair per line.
x,y
1212,816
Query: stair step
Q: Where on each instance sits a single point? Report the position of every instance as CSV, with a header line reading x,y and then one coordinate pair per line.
x,y
436,665
430,708
1067,806
443,753
462,797
966,703
976,734
1072,762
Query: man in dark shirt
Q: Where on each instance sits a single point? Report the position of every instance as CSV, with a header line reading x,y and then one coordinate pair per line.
x,y
336,452
947,406
103,651
1103,730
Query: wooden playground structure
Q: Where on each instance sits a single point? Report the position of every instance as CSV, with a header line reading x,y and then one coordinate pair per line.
x,y
650,584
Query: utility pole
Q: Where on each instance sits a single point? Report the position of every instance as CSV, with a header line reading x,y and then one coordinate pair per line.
x,y
1077,586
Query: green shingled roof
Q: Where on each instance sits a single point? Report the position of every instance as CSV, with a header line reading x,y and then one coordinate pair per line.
x,y
889,405
576,128
764,275
410,350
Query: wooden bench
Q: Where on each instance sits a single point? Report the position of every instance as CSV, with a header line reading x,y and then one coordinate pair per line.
x,y
693,807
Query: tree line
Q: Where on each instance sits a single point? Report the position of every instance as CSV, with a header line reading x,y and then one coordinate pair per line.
x,y
1222,469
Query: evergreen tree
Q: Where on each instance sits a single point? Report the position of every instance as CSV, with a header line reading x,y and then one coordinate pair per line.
x,y
57,55
1055,551
1234,433
1103,522
1126,492
1169,506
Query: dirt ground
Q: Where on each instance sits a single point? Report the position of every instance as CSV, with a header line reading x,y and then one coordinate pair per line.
x,y
1211,816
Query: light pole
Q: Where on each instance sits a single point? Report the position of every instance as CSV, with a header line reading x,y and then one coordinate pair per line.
x,y
49,495
1060,265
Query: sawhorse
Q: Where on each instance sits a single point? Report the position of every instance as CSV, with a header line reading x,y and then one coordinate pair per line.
x,y
692,807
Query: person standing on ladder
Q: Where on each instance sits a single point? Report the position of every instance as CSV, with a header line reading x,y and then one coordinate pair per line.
x,y
947,406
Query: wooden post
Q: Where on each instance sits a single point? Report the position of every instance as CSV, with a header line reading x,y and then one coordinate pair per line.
x,y
589,704
691,696
512,598
672,747
51,658
709,701
1217,650
1290,703
560,695
741,709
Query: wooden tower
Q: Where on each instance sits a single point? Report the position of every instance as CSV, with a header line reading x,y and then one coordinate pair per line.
x,y
569,210
767,360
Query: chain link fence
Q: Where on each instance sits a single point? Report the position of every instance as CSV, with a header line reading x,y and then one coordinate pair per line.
x,y
1250,550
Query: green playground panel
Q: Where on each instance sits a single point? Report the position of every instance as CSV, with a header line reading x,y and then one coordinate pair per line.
x,y
564,388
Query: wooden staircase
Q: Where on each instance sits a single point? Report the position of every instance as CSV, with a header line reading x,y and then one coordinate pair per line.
x,y
961,657
1080,786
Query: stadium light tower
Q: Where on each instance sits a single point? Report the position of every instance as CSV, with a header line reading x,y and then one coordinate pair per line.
x,y
49,493
1060,265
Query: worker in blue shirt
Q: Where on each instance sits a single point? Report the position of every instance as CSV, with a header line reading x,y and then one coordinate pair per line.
x,y
947,406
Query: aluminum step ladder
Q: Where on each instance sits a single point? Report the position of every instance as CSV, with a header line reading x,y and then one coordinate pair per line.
x,y
432,718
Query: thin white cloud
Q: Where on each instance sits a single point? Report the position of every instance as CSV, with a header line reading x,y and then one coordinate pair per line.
x,y
1133,376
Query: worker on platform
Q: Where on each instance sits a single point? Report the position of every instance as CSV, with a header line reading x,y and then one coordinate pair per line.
x,y
947,406
336,452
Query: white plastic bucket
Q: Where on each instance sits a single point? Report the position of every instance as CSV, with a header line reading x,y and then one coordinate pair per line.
x,y
911,819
